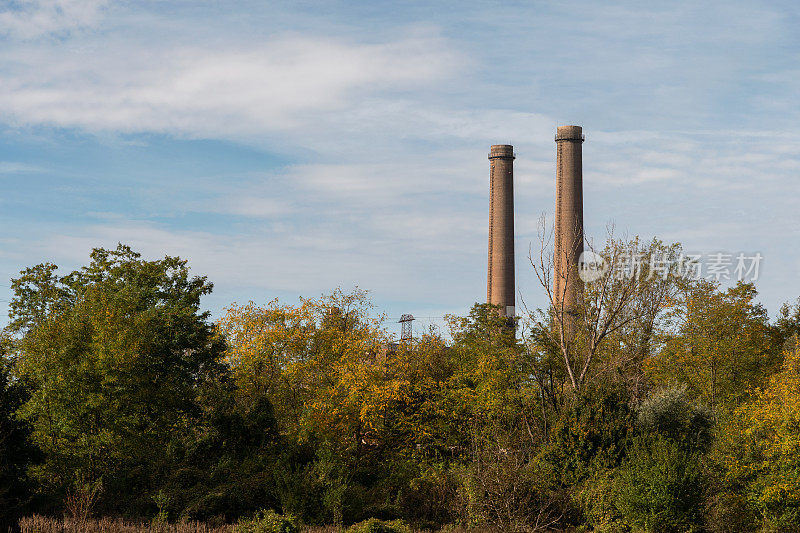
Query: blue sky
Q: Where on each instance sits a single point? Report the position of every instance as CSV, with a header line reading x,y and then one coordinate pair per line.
x,y
288,148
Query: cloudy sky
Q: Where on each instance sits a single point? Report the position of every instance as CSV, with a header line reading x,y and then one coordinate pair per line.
x,y
289,148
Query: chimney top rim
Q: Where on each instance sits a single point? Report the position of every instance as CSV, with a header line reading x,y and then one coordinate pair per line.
x,y
570,133
501,151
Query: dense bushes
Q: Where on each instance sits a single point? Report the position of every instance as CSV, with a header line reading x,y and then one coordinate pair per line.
x,y
670,414
373,525
427,499
659,487
268,522
591,435
510,492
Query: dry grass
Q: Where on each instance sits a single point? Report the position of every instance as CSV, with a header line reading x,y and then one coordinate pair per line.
x,y
321,529
42,524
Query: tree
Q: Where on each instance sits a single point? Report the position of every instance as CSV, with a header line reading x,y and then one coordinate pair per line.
x,y
224,467
353,407
591,435
721,345
490,365
620,304
318,363
759,449
788,323
17,452
115,353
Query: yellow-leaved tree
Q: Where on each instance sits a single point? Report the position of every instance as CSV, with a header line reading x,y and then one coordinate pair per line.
x,y
759,450
319,363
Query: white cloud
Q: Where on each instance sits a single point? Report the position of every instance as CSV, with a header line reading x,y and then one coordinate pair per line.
x,y
268,87
249,205
282,261
28,19
14,167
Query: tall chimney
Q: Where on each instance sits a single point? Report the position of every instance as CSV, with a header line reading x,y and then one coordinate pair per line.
x,y
500,288
569,220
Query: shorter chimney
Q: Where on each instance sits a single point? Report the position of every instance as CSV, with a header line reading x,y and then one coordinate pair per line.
x,y
500,289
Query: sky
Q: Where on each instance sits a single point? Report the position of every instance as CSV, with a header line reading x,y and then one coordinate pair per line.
x,y
289,148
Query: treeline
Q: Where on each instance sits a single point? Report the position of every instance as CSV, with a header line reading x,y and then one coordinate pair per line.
x,y
675,407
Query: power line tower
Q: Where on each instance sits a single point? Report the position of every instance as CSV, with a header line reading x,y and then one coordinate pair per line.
x,y
406,333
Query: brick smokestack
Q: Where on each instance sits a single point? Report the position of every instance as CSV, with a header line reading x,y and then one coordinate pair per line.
x,y
569,220
500,288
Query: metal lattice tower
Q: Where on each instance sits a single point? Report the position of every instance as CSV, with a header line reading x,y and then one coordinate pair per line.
x,y
406,333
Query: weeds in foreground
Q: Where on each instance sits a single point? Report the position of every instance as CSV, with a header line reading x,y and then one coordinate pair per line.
x,y
42,524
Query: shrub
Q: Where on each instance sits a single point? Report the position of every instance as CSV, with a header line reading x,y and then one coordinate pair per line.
x,y
591,435
659,487
731,513
595,499
268,522
427,500
671,414
510,492
373,525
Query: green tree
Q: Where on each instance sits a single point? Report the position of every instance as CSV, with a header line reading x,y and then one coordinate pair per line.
x,y
116,353
17,452
659,487
591,435
489,373
224,466
722,344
